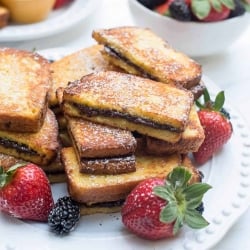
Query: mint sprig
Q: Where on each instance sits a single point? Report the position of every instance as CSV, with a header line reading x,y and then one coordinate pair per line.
x,y
182,200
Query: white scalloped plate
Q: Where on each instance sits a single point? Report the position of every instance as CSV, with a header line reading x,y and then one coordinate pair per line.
x,y
57,21
228,172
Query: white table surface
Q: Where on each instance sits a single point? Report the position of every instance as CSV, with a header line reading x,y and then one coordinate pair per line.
x,y
230,71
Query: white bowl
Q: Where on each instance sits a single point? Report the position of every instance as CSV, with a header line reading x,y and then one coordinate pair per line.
x,y
193,38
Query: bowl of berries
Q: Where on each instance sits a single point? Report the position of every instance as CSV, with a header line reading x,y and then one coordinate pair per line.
x,y
195,27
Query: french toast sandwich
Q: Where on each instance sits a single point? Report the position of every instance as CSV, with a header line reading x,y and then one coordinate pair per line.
x,y
54,170
39,147
96,193
102,149
130,102
141,52
190,140
75,65
25,82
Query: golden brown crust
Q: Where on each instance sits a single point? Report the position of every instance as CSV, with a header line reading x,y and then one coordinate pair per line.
x,y
44,142
86,188
94,140
25,82
102,149
72,67
132,96
4,16
142,48
190,141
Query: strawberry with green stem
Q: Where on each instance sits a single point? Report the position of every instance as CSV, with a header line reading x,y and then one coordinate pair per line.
x,y
216,124
25,192
212,10
157,208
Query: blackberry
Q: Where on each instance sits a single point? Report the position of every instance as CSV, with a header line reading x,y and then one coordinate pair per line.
x,y
238,10
180,10
64,216
151,4
200,208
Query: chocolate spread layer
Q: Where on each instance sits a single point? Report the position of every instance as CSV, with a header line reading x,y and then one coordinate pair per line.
x,y
19,147
117,55
117,203
110,166
90,112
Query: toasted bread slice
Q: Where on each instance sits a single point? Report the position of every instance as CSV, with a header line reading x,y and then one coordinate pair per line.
x,y
102,149
190,141
25,81
54,171
72,67
140,51
130,102
90,189
40,147
4,16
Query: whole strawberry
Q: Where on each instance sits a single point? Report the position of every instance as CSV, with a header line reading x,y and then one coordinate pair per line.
x,y
158,208
216,124
60,3
211,11
25,192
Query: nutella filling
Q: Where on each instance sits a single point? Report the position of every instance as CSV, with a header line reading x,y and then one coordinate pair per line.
x,y
117,55
90,112
19,147
111,204
90,161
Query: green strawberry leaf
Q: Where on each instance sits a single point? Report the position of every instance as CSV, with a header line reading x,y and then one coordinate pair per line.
x,y
195,220
246,5
169,213
206,96
177,225
165,192
201,8
219,101
6,176
216,5
196,190
228,3
182,199
179,177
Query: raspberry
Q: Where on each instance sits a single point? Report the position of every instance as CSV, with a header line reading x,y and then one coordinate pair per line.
x,y
180,10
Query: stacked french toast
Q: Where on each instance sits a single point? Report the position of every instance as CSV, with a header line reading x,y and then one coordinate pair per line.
x,y
103,118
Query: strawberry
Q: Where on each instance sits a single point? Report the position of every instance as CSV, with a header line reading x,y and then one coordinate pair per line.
x,y
163,8
211,11
25,192
216,124
157,208
60,3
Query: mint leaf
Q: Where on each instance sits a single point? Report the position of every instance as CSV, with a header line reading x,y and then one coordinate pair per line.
x,y
228,3
216,5
201,8
169,213
196,190
195,220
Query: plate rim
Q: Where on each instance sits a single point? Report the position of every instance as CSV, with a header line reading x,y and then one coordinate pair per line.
x,y
19,32
200,239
